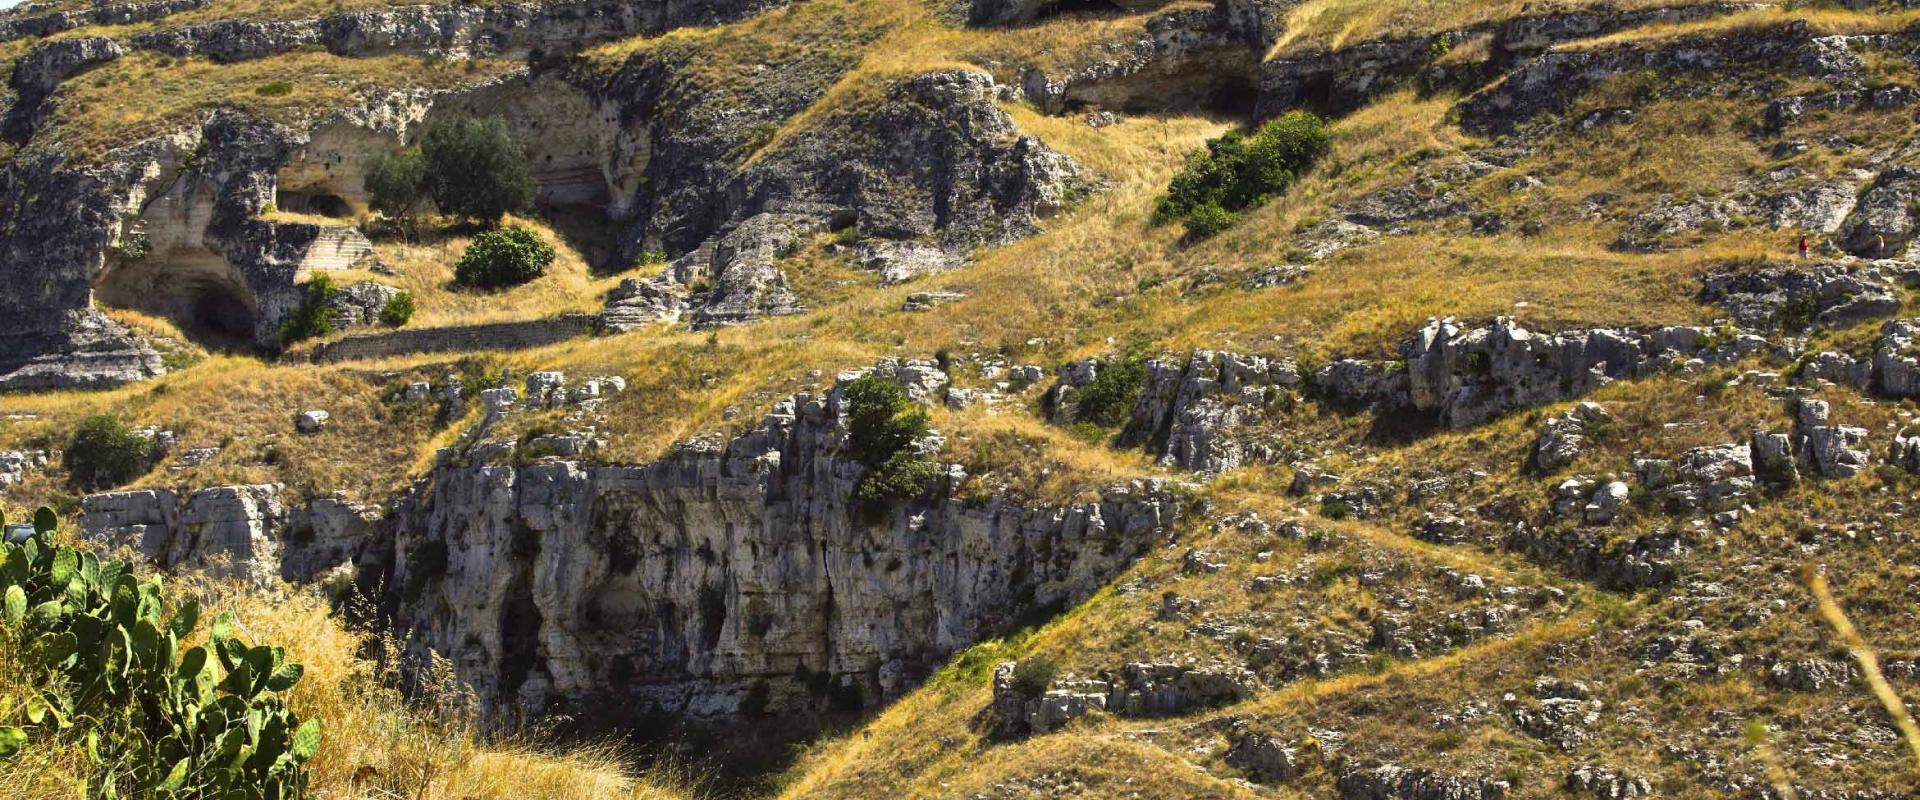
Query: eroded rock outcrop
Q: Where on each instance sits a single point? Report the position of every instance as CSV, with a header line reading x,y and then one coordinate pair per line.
x,y
25,21
732,578
453,30
955,175
728,580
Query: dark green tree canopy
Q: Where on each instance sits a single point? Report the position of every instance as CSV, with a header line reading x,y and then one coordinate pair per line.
x,y
396,183
474,169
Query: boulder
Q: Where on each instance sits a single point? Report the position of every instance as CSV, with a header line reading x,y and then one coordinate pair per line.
x,y
1264,759
311,422
1896,359
1712,478
1773,459
1883,223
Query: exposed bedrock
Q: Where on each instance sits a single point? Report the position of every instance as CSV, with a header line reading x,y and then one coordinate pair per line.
x,y
1210,411
1186,58
932,171
39,73
731,580
24,21
174,225
927,173
1747,63
535,30
734,580
1344,79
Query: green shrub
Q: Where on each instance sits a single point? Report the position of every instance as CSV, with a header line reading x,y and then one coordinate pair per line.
x,y
313,318
475,170
1033,676
1108,400
881,420
104,453
901,477
396,183
398,311
1208,219
274,89
1237,172
882,425
106,660
505,257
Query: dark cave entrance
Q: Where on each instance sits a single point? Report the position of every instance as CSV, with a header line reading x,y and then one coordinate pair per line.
x,y
192,288
1081,8
1209,91
218,313
1231,96
316,203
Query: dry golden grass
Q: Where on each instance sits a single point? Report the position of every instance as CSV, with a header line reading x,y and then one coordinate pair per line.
x,y
376,743
424,267
1332,24
145,94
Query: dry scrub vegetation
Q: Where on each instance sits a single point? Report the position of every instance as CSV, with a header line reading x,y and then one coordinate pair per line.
x,y
377,742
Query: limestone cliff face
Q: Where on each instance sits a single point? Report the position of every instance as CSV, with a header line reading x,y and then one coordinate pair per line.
x,y
731,580
728,581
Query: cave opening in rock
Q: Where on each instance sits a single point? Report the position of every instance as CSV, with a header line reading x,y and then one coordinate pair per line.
x,y
1062,8
1232,96
1217,88
194,290
319,203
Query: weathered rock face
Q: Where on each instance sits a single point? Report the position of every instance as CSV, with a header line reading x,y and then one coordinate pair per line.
x,y
1787,198
729,580
38,73
1468,376
1744,63
170,226
454,30
226,532
1186,58
1896,359
24,22
1883,223
955,175
1796,299
1379,781
1138,690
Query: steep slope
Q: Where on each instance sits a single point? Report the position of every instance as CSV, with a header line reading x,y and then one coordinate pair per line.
x,y
1486,461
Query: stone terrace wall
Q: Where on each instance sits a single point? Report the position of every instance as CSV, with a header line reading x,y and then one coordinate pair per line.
x,y
463,338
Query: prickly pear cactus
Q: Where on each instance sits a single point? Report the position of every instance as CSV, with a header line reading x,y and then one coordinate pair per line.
x,y
157,720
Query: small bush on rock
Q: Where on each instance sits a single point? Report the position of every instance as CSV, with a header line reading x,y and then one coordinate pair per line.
x,y
313,318
506,257
882,425
104,453
398,311
1032,676
1108,400
1236,172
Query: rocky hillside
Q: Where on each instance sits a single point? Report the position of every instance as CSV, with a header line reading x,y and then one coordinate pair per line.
x,y
1551,431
